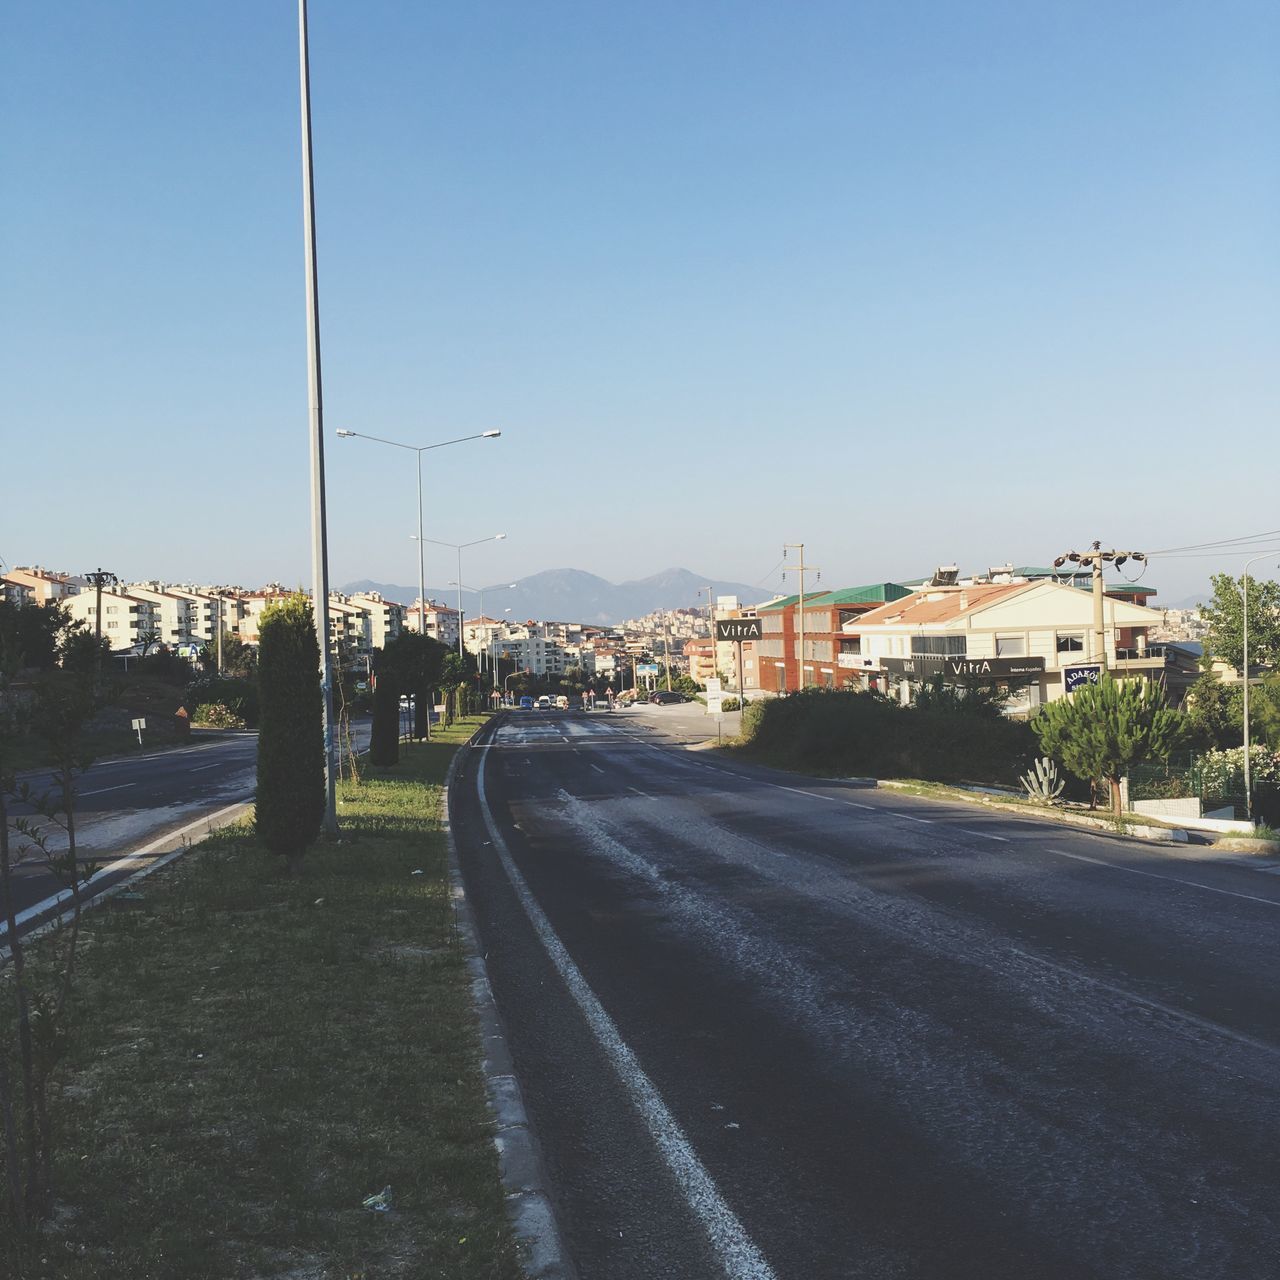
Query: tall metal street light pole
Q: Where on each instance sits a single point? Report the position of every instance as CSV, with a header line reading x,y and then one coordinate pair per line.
x,y
319,531
460,547
420,450
100,578
1248,778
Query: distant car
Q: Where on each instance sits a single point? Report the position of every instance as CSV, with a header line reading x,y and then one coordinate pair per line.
x,y
526,703
562,702
665,697
544,702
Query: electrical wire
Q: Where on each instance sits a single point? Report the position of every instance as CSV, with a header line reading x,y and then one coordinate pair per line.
x,y
1224,542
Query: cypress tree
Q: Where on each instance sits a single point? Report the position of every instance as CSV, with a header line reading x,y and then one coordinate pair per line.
x,y
291,796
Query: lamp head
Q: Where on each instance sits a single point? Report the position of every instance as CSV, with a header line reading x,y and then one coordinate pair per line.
x,y
341,432
498,537
490,435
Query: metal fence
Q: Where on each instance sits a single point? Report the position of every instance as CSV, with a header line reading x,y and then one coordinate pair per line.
x,y
1183,776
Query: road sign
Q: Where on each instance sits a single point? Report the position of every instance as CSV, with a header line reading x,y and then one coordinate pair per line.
x,y
1074,678
138,725
647,668
713,686
715,704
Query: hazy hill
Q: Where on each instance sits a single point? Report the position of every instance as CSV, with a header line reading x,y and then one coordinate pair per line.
x,y
572,595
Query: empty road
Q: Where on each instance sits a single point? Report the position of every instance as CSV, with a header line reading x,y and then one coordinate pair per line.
x,y
768,1026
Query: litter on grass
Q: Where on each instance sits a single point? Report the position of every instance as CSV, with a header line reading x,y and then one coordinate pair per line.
x,y
379,1202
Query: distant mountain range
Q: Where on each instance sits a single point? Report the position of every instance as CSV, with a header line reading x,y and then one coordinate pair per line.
x,y
571,595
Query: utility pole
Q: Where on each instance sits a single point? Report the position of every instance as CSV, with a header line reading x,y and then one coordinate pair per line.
x,y
100,578
802,567
1094,559
666,645
319,529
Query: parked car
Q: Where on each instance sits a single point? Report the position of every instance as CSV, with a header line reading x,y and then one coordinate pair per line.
x,y
544,702
665,697
526,703
562,702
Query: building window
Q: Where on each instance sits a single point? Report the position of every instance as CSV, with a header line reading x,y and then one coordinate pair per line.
x,y
1070,641
940,646
1011,646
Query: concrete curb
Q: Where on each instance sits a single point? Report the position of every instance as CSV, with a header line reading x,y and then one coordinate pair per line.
x,y
184,842
524,1176
1237,851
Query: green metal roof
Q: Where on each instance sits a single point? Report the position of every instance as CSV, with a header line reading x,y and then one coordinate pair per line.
x,y
876,593
810,597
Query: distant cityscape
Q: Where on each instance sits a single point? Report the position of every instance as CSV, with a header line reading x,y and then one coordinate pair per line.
x,y
835,629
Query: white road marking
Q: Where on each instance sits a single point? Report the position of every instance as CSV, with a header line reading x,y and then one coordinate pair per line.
x,y
856,805
925,822
1183,1015
816,795
203,767
1155,875
985,835
102,791
596,767
737,1252
639,792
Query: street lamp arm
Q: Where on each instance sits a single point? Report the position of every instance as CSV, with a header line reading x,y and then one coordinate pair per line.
x,y
462,546
414,448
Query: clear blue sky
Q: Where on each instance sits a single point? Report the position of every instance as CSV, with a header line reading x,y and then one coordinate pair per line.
x,y
907,282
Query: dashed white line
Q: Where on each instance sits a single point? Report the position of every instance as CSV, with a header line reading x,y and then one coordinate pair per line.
x,y
102,791
924,822
737,1252
1155,875
596,767
855,804
203,767
816,795
985,835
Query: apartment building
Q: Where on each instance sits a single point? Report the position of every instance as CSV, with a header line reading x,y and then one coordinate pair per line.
x,y
385,617
177,615
125,618
41,585
441,621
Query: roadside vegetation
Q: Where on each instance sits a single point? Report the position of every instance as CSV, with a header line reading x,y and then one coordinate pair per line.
x,y
250,1055
942,737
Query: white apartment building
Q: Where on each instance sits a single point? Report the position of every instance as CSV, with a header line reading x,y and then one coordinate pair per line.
x,y
441,621
385,617
177,614
531,650
126,618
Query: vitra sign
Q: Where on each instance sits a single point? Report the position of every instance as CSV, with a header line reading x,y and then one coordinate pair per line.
x,y
978,668
738,629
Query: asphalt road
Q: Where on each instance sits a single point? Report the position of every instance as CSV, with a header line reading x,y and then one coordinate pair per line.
x,y
129,802
771,1026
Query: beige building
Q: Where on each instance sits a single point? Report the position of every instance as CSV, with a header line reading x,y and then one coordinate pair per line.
x,y
126,618
40,585
1036,638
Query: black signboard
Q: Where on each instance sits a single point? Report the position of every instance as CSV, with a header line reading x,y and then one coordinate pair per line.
x,y
925,666
738,629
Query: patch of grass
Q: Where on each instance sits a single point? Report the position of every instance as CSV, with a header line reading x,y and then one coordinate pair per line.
x,y
252,1055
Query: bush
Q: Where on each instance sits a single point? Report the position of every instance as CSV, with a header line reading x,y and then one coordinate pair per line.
x,y
217,715
238,695
730,704
836,731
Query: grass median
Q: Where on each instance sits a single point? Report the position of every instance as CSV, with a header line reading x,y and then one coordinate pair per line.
x,y
252,1055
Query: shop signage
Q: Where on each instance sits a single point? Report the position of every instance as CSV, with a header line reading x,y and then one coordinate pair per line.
x,y
738,629
1074,678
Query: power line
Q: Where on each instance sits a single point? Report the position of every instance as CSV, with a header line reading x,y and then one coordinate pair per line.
x,y
1224,542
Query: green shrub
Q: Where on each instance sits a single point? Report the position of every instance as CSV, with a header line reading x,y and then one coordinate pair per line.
x,y
837,731
237,694
217,715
